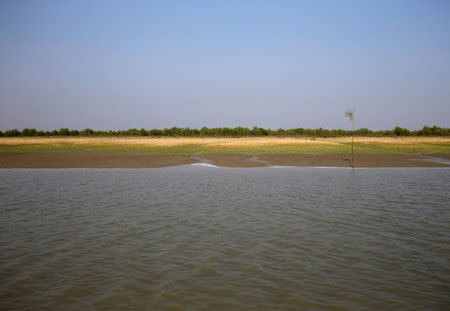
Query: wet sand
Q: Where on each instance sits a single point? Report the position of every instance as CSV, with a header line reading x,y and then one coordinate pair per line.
x,y
89,160
130,160
361,160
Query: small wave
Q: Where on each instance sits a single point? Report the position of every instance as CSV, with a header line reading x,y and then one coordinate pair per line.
x,y
203,164
296,167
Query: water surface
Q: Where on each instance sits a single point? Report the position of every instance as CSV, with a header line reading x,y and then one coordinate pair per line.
x,y
205,238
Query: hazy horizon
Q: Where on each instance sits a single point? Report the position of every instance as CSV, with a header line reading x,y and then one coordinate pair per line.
x,y
111,65
192,128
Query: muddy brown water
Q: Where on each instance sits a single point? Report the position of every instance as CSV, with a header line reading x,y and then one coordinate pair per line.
x,y
199,237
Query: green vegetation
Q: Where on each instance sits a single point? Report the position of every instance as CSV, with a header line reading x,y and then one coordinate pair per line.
x,y
403,148
233,132
198,149
110,149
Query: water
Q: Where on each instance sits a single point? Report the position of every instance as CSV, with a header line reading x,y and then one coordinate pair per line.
x,y
205,238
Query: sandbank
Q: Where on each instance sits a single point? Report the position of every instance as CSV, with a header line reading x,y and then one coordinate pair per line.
x,y
137,152
101,160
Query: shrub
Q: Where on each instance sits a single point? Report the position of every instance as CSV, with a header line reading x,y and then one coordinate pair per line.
x,y
87,132
233,132
29,132
401,131
64,132
13,132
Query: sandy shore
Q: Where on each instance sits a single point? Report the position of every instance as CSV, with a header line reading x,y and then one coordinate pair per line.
x,y
101,160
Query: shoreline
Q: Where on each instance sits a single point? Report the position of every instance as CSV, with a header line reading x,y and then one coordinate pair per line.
x,y
139,160
141,152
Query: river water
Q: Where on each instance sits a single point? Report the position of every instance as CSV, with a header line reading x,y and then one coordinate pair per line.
x,y
206,238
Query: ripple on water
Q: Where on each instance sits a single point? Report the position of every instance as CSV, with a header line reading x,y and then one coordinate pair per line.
x,y
189,238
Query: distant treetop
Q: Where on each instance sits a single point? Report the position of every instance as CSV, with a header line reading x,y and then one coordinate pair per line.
x,y
233,132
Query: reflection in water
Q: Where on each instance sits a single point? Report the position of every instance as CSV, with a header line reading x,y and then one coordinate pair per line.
x,y
205,238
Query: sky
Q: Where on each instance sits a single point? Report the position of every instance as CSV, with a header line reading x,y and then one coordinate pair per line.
x,y
273,64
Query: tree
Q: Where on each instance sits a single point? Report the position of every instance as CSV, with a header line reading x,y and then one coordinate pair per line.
x,y
351,115
143,132
87,132
29,132
64,132
14,132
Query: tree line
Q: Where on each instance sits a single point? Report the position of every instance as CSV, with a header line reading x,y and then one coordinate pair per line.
x,y
232,132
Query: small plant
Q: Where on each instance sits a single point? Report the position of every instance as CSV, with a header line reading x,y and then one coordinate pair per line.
x,y
351,115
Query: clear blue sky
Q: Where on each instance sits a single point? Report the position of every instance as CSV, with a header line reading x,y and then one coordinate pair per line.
x,y
155,64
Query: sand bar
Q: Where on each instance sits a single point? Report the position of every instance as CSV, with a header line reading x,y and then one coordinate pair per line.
x,y
100,160
136,152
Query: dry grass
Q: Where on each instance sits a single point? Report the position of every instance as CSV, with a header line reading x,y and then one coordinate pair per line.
x,y
242,145
216,141
162,141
